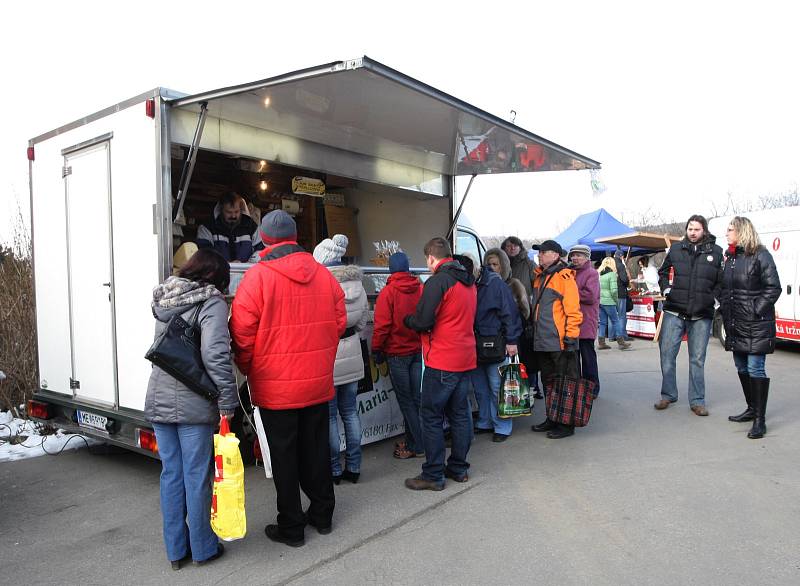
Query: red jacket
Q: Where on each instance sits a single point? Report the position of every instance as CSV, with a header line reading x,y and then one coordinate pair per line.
x,y
397,299
446,314
285,324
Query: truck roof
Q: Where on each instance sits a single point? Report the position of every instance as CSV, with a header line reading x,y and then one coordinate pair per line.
x,y
365,107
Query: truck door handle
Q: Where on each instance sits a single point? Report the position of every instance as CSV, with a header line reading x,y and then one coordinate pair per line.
x,y
106,284
788,289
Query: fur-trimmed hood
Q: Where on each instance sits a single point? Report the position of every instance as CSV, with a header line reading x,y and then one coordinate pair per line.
x,y
505,263
346,273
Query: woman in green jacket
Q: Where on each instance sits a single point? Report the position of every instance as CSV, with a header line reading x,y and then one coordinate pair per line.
x,y
609,296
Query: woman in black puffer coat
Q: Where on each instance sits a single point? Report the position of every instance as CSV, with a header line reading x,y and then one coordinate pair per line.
x,y
750,288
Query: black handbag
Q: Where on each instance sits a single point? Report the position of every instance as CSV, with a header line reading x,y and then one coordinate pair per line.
x,y
176,351
628,305
490,349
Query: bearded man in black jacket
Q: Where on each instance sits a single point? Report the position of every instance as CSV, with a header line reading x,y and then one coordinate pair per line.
x,y
696,263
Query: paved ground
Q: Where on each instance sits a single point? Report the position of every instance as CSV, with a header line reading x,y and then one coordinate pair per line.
x,y
639,497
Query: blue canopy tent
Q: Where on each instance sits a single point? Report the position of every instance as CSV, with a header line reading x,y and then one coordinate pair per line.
x,y
588,227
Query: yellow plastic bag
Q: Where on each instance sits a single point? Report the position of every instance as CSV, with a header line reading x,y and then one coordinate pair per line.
x,y
227,503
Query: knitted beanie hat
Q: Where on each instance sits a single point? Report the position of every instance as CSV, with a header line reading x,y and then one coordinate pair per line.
x,y
278,226
331,250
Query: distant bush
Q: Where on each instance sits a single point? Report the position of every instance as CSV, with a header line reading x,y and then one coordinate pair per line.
x,y
17,321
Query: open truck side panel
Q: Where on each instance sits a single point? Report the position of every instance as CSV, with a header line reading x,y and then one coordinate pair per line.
x,y
103,189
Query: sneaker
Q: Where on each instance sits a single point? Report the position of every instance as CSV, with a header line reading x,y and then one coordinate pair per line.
x,y
419,483
216,556
699,410
274,533
448,474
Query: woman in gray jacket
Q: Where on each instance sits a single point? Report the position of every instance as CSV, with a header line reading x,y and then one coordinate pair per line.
x,y
349,366
183,420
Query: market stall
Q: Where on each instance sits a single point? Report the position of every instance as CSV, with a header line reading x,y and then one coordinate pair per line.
x,y
644,316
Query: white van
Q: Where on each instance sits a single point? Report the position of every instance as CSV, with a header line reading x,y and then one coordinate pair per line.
x,y
779,230
351,146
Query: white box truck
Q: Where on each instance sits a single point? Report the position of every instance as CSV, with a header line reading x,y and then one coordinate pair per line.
x,y
779,230
106,191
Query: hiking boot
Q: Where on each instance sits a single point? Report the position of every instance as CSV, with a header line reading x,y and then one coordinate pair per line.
x,y
699,410
545,425
351,476
419,483
274,533
561,431
662,404
321,529
449,474
601,344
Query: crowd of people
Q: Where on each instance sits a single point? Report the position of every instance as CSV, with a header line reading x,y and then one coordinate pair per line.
x,y
295,331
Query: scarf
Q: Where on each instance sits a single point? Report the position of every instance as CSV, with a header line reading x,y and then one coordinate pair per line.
x,y
178,292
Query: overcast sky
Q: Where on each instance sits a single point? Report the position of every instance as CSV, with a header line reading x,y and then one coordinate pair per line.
x,y
682,103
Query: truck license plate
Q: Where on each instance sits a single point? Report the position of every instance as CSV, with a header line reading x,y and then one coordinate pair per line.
x,y
92,420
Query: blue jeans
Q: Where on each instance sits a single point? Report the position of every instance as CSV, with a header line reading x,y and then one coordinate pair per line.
x,y
608,313
486,382
698,332
187,452
445,393
622,314
406,374
752,364
344,401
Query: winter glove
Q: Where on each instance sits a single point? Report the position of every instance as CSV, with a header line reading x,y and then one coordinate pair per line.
x,y
570,344
379,357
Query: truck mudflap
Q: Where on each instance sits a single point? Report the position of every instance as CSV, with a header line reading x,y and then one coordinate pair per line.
x,y
120,427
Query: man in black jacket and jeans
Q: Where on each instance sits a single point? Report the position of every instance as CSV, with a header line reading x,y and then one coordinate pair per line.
x,y
696,262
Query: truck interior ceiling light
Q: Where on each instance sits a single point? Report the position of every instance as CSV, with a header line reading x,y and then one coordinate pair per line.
x,y
266,102
39,410
262,165
263,185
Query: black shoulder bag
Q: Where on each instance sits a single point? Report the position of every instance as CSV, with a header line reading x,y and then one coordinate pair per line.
x,y
176,351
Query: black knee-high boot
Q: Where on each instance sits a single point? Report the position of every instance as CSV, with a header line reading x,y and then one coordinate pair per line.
x,y
749,413
760,390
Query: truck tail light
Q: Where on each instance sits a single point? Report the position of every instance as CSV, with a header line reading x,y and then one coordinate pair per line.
x,y
146,440
31,154
150,108
39,410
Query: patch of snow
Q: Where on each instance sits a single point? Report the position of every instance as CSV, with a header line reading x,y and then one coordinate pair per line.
x,y
35,444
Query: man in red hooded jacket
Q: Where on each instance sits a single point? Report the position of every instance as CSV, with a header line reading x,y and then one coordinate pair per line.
x,y
445,316
286,320
392,341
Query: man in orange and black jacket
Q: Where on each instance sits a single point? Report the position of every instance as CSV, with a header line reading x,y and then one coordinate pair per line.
x,y
556,316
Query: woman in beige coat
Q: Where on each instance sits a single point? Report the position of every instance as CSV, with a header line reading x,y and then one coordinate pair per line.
x,y
349,366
